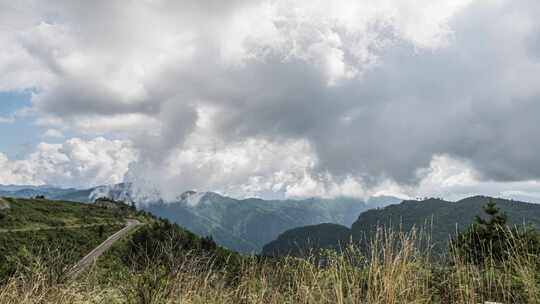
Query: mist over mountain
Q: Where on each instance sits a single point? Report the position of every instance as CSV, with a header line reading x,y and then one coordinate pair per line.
x,y
244,225
290,226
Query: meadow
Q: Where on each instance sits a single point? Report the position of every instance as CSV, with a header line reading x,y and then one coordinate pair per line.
x,y
396,270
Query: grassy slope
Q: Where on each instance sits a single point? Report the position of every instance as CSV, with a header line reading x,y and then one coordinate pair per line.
x,y
173,265
397,272
155,247
32,213
33,227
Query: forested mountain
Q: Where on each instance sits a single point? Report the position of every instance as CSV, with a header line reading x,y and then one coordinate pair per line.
x,y
243,225
300,241
435,218
442,219
246,225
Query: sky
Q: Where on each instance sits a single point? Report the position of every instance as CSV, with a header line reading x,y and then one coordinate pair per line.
x,y
273,98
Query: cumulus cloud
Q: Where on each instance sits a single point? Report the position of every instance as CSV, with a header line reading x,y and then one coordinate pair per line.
x,y
254,167
455,179
74,163
301,98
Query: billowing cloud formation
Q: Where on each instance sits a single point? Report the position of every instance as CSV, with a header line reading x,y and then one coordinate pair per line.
x,y
252,97
456,179
75,163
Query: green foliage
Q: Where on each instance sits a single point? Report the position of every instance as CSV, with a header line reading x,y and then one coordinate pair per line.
x,y
33,214
163,242
161,262
492,239
440,219
30,227
16,248
305,241
158,253
395,272
101,231
247,225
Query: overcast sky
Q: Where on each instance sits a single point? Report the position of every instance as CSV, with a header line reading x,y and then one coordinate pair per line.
x,y
273,98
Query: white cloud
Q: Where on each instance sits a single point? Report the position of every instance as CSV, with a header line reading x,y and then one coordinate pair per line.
x,y
53,133
246,168
455,179
74,163
295,97
253,167
15,172
324,33
126,59
325,186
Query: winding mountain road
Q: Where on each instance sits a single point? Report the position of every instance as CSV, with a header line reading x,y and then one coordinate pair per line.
x,y
90,258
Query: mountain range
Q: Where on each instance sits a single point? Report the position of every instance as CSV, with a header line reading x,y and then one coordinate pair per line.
x,y
277,227
243,225
439,219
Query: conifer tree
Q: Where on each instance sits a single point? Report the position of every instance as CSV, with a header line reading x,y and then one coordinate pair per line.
x,y
486,238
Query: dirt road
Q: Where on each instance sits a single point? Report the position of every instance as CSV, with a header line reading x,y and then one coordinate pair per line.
x,y
90,258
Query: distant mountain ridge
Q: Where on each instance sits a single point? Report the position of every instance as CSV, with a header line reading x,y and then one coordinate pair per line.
x,y
439,218
32,191
244,225
442,218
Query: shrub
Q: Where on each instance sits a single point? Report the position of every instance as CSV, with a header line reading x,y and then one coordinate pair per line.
x,y
491,239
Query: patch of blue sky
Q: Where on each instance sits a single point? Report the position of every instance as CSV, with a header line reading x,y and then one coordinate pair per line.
x,y
20,136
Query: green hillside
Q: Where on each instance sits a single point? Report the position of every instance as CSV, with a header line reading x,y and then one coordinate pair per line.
x,y
233,223
161,262
247,225
43,213
436,219
37,231
59,230
441,219
300,241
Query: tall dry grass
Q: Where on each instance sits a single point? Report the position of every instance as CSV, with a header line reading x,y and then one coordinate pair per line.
x,y
396,270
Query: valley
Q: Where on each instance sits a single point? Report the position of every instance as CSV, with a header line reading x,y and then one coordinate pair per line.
x,y
243,225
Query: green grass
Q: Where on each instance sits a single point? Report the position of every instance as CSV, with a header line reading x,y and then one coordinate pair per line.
x,y
395,272
32,227
33,214
73,243
163,263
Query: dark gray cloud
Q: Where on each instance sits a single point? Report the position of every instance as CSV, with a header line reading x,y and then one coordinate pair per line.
x,y
475,99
